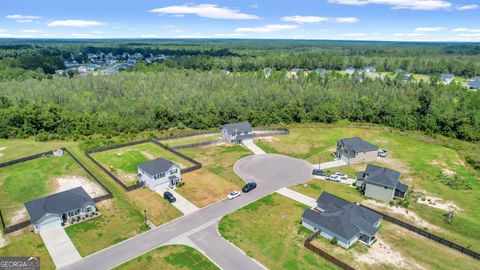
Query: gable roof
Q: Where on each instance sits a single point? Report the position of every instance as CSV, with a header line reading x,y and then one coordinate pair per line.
x,y
355,145
343,218
156,166
58,203
238,127
381,176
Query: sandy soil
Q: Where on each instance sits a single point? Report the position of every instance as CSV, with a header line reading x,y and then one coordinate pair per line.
x,y
3,240
3,148
268,139
148,155
19,216
438,203
394,164
68,182
410,215
126,177
382,253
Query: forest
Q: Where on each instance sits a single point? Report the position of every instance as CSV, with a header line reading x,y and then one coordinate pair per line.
x,y
188,90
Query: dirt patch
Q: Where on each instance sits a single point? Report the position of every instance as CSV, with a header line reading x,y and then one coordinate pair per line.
x,y
3,240
68,182
400,211
268,139
438,203
126,177
395,164
382,253
3,148
148,155
19,216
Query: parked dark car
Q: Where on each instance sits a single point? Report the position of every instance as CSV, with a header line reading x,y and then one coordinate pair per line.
x,y
319,172
249,186
169,197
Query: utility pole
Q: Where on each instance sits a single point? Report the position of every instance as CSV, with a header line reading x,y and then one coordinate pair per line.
x,y
145,213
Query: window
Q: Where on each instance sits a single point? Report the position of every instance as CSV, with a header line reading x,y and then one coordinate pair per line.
x,y
385,187
173,171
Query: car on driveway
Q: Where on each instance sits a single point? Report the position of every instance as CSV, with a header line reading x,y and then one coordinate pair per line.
x,y
383,153
319,172
333,177
232,195
341,175
169,197
249,186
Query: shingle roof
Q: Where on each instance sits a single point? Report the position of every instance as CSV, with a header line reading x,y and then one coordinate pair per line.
x,y
238,127
381,176
446,76
58,203
474,84
355,145
156,166
342,217
402,187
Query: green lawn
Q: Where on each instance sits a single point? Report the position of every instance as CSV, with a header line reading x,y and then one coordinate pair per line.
x,y
194,139
420,158
33,179
219,160
123,162
16,148
315,187
269,231
170,258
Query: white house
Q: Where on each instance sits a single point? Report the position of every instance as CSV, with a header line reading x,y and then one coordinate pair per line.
x,y
159,173
237,132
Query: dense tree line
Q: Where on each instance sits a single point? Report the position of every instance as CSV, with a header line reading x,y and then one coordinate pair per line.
x,y
134,102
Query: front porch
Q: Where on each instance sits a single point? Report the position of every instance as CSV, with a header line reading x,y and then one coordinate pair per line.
x,y
79,215
367,240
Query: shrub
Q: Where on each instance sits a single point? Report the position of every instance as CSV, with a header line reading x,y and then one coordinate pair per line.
x,y
333,241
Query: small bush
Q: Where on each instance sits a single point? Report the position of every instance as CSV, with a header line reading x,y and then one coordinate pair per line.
x,y
334,241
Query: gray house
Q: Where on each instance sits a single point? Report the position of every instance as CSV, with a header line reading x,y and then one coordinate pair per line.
x,y
343,220
59,208
446,78
355,150
381,183
350,71
474,83
237,132
159,173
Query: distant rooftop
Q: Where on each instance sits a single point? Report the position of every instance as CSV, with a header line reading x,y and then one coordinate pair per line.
x,y
238,127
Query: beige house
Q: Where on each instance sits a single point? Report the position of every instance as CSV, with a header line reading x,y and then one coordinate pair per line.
x,y
381,183
355,150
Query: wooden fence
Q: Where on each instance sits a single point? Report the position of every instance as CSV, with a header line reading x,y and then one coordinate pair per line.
x,y
324,254
428,235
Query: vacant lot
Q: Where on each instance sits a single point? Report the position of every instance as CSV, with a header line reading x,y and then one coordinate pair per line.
x,y
37,178
315,187
219,160
26,243
398,248
269,231
13,148
427,165
170,258
123,162
193,139
113,226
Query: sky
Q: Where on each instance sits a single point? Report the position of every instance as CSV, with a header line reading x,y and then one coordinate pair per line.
x,y
393,20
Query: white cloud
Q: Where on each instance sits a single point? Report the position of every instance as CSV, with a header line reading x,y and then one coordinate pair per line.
x,y
97,32
467,7
354,35
409,35
305,19
22,18
211,11
3,30
429,29
191,36
318,19
31,31
75,23
149,36
229,35
267,28
469,35
466,30
400,4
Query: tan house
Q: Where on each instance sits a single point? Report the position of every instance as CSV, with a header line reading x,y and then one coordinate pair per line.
x,y
355,150
381,183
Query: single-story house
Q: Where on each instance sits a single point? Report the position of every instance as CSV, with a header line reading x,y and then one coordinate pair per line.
x,y
381,183
446,78
59,208
159,173
355,150
237,132
337,218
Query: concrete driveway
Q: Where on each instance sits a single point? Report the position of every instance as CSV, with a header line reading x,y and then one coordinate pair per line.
x,y
299,197
58,244
331,164
182,204
253,147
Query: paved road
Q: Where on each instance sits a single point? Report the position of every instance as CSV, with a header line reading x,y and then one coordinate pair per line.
x,y
271,171
222,252
59,245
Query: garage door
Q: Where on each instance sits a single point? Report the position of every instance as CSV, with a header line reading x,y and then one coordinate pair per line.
x,y
345,159
49,223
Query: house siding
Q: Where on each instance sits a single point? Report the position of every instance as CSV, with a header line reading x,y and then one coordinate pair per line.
x,y
162,182
328,234
379,192
362,157
233,138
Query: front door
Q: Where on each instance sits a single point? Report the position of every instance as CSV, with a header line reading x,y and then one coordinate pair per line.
x,y
173,181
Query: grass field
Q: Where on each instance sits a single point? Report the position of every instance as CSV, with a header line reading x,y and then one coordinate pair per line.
x,y
33,179
123,162
194,139
315,187
422,161
170,258
269,231
398,248
219,160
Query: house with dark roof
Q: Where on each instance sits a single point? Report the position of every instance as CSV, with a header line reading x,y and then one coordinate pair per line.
x,y
159,173
446,78
347,222
474,83
237,132
381,183
59,208
355,150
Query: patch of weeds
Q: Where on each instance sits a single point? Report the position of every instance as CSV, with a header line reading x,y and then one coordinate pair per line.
x,y
216,169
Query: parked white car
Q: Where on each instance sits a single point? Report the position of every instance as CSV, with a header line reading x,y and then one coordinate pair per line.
x,y
233,195
341,175
333,177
